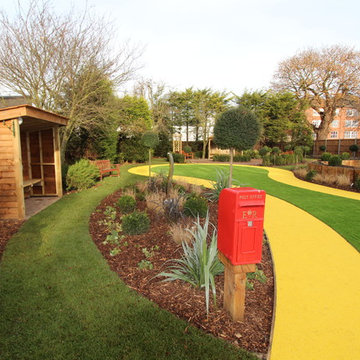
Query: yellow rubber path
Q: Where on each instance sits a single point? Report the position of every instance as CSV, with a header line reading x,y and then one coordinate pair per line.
x,y
317,314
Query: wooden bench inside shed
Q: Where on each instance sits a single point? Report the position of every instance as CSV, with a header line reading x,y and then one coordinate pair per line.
x,y
105,167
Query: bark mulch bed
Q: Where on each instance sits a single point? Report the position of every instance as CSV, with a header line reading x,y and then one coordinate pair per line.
x,y
179,297
7,229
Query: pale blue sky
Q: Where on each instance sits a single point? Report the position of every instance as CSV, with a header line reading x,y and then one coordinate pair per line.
x,y
223,44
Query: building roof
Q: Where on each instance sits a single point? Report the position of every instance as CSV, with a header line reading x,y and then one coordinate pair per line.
x,y
33,118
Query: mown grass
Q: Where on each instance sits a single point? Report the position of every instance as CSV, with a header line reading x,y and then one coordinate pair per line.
x,y
341,214
60,300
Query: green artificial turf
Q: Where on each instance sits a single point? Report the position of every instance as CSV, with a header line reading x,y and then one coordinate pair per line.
x,y
60,300
339,213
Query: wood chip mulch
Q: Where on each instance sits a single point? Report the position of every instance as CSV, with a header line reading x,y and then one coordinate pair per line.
x,y
181,298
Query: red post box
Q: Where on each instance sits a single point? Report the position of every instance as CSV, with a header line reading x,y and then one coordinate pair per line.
x,y
241,224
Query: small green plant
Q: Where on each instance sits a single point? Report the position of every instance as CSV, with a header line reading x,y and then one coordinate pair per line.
x,y
195,206
82,175
222,182
173,208
335,160
126,204
115,251
112,238
325,156
145,265
135,223
322,148
149,253
199,264
258,275
310,174
110,213
345,155
178,158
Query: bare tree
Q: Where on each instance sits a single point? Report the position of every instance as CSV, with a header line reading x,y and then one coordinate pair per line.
x,y
325,79
42,53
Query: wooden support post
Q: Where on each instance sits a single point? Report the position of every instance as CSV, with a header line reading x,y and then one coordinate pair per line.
x,y
234,287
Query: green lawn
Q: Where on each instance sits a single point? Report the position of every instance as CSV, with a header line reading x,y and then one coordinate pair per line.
x,y
339,213
59,299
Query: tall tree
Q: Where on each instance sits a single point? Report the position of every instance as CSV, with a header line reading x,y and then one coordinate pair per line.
x,y
236,129
281,115
49,51
208,105
325,79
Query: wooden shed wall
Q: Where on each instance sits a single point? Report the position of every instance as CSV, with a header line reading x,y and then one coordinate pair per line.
x,y
9,201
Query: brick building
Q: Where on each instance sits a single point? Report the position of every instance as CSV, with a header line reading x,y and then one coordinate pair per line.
x,y
346,124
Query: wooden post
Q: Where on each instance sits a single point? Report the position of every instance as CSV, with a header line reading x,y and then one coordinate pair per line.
x,y
57,161
18,170
234,287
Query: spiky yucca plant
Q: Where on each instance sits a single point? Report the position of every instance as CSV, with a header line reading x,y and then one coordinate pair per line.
x,y
199,264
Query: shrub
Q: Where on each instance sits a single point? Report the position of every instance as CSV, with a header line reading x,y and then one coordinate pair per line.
x,y
354,148
82,175
179,233
335,160
275,150
310,174
329,179
242,158
318,178
279,160
187,149
343,180
198,154
306,150
221,157
345,156
135,223
357,183
195,206
133,150
126,204
264,151
157,183
154,201
301,173
299,154
322,148
178,158
199,264
325,156
266,161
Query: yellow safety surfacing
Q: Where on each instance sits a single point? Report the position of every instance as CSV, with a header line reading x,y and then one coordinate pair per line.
x,y
317,276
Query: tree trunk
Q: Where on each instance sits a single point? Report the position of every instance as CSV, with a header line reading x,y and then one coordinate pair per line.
x,y
326,118
231,167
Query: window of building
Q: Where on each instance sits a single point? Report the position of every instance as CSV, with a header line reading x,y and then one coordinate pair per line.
x,y
350,134
350,112
351,123
333,134
335,123
316,123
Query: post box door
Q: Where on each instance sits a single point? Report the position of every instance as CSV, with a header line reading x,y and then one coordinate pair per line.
x,y
250,234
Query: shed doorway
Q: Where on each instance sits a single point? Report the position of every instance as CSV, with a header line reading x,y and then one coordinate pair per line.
x,y
30,165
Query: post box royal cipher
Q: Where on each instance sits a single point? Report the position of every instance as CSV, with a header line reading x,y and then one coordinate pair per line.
x,y
241,224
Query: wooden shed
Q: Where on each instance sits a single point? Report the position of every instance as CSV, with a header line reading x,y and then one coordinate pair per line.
x,y
30,162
